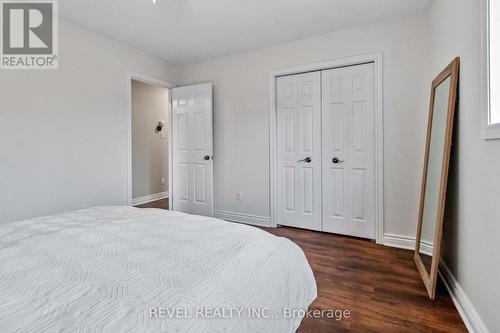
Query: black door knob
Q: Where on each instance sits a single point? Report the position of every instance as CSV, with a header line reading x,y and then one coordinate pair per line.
x,y
206,158
307,160
335,160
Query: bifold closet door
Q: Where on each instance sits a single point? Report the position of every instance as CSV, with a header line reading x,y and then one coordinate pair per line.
x,y
299,150
348,151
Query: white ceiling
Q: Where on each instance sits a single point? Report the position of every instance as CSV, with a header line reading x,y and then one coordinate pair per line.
x,y
183,31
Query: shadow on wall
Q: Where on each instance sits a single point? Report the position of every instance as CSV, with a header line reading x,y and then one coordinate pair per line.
x,y
450,223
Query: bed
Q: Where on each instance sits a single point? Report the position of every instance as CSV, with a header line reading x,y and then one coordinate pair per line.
x,y
124,269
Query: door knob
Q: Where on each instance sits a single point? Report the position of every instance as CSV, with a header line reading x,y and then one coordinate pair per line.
x,y
206,157
307,160
336,160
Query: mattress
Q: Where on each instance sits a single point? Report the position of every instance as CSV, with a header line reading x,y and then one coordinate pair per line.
x,y
124,269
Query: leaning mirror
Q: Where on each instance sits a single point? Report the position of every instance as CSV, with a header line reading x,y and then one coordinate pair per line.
x,y
435,175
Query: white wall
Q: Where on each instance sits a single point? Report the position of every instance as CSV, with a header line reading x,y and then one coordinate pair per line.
x,y
150,105
63,133
241,85
472,226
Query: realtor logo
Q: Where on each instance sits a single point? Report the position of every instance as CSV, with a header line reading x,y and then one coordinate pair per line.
x,y
29,34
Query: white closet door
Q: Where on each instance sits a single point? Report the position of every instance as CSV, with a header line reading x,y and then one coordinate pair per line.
x,y
192,118
299,150
348,151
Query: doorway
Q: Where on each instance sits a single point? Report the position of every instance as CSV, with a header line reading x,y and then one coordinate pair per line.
x,y
150,157
188,132
149,141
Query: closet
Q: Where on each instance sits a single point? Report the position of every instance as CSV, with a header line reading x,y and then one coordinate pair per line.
x,y
326,150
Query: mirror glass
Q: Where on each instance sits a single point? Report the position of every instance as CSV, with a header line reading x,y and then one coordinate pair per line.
x,y
434,170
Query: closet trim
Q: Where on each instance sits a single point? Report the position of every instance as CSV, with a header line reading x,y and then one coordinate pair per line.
x,y
376,59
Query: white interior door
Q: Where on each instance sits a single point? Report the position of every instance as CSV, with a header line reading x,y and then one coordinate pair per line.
x,y
349,151
192,119
299,150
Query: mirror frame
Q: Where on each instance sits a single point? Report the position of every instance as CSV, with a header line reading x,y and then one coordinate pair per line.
x,y
430,278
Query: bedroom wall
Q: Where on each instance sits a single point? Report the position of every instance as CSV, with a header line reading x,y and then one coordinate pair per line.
x,y
63,133
472,228
241,127
150,105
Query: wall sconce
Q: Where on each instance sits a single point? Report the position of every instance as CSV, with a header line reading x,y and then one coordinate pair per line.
x,y
160,126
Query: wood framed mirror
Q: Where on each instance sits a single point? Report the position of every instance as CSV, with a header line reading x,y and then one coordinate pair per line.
x,y
435,175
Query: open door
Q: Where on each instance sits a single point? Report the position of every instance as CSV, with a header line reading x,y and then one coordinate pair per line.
x,y
192,119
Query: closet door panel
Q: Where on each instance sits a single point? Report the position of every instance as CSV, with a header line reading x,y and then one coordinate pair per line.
x,y
348,138
299,150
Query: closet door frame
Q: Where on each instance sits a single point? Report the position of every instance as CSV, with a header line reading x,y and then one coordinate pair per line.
x,y
376,59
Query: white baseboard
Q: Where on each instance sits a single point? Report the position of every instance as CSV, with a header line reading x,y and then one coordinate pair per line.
x,y
260,221
401,242
405,242
149,198
469,315
471,318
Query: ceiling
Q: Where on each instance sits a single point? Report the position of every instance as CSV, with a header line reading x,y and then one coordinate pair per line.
x,y
184,31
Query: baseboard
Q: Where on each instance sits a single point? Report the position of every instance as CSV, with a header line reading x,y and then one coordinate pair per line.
x,y
401,242
471,318
469,315
405,242
149,198
260,221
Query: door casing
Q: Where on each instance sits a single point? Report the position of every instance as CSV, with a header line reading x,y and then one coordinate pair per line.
x,y
376,59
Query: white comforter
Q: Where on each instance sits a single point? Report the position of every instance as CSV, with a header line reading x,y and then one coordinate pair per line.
x,y
122,269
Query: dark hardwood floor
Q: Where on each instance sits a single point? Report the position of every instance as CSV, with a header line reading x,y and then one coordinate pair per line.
x,y
379,285
163,204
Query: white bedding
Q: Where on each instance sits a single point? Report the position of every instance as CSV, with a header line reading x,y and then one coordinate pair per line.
x,y
123,269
